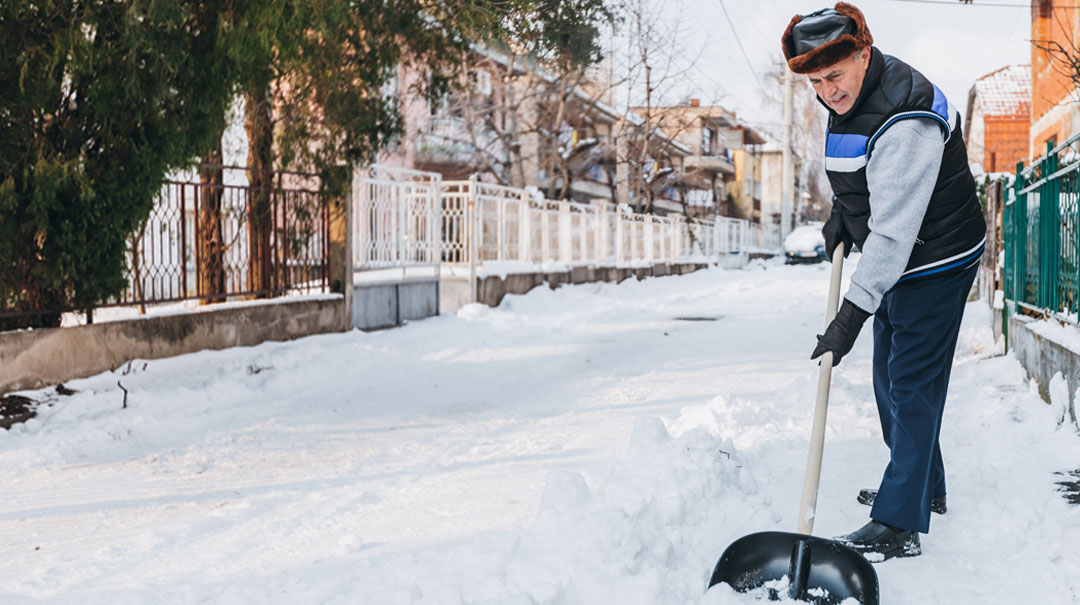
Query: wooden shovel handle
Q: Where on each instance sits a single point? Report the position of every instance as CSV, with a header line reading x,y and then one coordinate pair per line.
x,y
808,504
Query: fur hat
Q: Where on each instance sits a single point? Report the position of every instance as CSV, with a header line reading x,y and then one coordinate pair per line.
x,y
825,37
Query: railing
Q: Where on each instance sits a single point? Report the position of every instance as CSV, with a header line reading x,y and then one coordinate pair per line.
x,y
764,239
203,241
483,222
1042,244
455,140
396,218
200,243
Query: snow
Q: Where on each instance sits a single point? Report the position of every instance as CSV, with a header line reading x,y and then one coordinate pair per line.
x,y
1065,334
581,445
1006,92
804,238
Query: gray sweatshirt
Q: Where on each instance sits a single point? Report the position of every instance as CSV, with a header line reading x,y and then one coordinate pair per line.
x,y
900,175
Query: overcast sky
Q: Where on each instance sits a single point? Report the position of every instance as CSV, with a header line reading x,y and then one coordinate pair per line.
x,y
951,44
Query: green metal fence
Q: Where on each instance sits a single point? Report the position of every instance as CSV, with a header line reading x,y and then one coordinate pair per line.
x,y
1042,245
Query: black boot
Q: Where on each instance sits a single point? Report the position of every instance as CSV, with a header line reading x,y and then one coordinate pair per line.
x,y
880,542
867,497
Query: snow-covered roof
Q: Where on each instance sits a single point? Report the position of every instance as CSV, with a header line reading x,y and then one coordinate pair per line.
x,y
1005,92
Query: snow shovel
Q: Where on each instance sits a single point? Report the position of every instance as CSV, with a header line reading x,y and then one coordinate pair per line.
x,y
817,570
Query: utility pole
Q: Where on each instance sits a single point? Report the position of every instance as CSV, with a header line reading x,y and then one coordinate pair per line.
x,y
787,185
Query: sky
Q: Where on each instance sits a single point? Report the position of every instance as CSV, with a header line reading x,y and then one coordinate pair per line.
x,y
950,43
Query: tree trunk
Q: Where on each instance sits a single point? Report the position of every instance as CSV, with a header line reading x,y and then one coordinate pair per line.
x,y
210,244
36,294
260,132
513,107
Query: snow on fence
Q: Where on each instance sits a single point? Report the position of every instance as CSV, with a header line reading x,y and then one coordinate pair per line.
x,y
396,218
486,223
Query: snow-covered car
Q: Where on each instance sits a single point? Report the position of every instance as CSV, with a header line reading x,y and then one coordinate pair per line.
x,y
805,244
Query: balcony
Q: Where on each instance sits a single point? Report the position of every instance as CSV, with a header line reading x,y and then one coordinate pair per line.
x,y
716,164
453,141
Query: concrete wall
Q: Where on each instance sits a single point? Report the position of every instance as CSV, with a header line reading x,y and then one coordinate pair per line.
x,y
490,290
388,304
36,358
1042,358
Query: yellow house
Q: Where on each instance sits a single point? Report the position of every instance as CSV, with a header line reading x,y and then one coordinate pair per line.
x,y
746,146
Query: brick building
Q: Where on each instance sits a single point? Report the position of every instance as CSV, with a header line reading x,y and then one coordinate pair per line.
x,y
998,121
1055,26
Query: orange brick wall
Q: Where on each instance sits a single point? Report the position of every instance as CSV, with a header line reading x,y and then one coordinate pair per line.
x,y
1059,129
1006,143
1052,24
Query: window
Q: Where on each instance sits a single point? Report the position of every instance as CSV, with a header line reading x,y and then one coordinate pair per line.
x,y
1046,9
439,107
707,139
482,81
391,89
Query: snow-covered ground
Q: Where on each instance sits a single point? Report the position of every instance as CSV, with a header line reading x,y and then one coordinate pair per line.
x,y
583,445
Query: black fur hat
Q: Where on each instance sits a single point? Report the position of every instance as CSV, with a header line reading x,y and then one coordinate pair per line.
x,y
815,41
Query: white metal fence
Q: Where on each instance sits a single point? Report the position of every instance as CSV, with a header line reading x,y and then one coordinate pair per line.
x,y
404,218
396,218
763,238
483,222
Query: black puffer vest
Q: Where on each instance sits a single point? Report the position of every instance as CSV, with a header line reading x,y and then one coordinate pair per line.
x,y
953,230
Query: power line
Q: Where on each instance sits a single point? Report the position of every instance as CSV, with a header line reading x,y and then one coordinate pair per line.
x,y
766,42
737,40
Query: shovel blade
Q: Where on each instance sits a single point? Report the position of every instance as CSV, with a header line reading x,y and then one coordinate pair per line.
x,y
818,570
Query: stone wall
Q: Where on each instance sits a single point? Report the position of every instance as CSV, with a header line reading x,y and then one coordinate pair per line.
x,y
1042,358
490,290
32,359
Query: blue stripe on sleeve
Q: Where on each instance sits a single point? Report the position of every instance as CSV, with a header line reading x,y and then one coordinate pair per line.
x,y
845,145
941,104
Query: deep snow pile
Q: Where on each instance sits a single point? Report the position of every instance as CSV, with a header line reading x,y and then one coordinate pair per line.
x,y
594,444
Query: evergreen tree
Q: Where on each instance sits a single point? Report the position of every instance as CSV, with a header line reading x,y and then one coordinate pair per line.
x,y
99,100
312,74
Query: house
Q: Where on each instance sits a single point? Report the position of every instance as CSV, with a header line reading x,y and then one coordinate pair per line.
x,y
582,151
513,124
650,165
709,168
998,121
724,165
1055,33
457,135
746,145
772,185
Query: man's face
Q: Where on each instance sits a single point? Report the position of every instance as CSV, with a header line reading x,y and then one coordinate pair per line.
x,y
839,84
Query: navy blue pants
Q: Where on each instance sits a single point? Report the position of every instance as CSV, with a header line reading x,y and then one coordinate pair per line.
x,y
915,331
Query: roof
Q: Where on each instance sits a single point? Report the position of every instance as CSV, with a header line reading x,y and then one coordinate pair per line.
x,y
752,136
635,119
1005,92
711,113
774,147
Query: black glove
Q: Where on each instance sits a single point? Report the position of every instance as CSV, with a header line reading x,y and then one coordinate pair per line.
x,y
835,233
841,333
